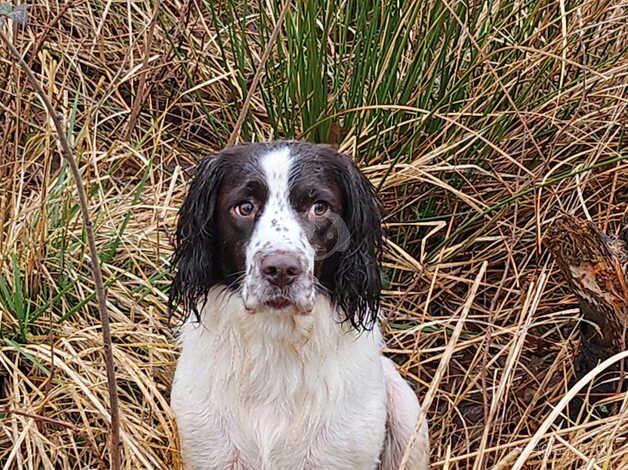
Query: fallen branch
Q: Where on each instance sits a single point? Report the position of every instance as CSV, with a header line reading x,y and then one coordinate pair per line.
x,y
595,265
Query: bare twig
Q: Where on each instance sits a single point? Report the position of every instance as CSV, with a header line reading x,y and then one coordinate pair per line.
x,y
96,271
235,135
37,417
141,89
48,27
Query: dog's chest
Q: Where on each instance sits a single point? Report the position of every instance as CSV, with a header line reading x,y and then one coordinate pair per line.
x,y
257,397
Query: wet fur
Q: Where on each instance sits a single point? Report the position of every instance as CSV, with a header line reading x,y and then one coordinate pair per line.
x,y
268,389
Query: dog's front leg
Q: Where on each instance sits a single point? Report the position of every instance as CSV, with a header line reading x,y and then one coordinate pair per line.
x,y
402,412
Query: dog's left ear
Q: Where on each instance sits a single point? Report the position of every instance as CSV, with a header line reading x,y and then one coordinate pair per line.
x,y
196,251
357,279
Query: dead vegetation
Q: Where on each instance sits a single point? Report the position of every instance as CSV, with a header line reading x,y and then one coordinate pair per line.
x,y
489,126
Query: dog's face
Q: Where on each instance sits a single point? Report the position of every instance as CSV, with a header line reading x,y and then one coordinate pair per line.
x,y
279,224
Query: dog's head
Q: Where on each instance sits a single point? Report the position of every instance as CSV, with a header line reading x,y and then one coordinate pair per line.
x,y
278,224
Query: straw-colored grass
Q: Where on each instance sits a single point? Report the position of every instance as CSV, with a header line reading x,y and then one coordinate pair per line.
x,y
479,122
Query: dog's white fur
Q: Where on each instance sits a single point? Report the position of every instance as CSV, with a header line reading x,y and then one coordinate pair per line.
x,y
274,392
262,389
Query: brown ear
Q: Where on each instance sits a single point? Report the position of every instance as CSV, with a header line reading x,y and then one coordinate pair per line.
x,y
357,281
195,244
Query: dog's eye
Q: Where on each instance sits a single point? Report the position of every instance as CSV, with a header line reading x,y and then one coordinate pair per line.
x,y
245,209
319,208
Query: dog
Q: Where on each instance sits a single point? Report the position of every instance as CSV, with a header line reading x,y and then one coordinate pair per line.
x,y
277,269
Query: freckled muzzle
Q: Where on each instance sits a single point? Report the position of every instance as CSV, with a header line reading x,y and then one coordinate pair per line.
x,y
279,279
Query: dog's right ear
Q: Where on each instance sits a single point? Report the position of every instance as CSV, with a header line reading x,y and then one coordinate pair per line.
x,y
196,248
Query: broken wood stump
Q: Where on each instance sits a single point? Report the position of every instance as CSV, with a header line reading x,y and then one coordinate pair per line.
x,y
596,267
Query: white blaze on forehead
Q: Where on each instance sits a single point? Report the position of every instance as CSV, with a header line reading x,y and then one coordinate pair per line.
x,y
278,227
276,167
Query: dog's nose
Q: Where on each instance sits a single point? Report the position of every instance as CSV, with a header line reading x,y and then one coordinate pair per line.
x,y
281,269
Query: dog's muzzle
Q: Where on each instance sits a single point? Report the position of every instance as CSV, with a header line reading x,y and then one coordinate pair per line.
x,y
279,279
281,268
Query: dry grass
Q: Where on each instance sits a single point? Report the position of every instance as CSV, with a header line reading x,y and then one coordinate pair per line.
x,y
478,316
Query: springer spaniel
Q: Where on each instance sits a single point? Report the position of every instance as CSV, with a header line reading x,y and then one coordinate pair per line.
x,y
277,260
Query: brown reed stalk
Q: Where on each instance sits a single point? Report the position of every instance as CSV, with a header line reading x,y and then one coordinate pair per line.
x,y
101,295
